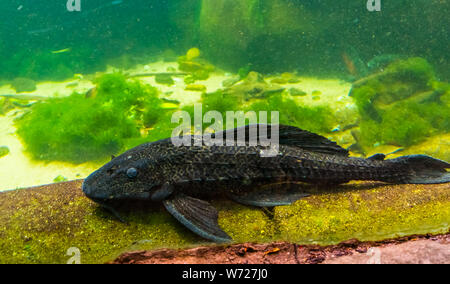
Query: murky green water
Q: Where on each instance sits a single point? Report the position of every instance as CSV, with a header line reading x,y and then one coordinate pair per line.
x,y
79,86
81,81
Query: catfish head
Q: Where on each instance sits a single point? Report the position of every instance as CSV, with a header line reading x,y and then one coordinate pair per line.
x,y
127,176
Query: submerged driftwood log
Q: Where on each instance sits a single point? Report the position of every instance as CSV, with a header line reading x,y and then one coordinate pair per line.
x,y
407,250
54,223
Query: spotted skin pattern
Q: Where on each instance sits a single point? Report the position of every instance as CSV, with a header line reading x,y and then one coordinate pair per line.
x,y
177,175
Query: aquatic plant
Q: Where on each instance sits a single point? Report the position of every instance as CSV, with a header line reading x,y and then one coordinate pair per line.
x,y
406,124
317,119
400,80
79,129
45,65
403,105
74,129
221,102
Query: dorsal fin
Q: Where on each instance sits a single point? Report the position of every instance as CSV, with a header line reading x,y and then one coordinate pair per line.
x,y
293,136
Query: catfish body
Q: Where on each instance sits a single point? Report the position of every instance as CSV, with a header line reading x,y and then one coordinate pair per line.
x,y
179,175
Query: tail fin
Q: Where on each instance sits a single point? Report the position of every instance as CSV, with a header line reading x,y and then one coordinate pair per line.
x,y
422,169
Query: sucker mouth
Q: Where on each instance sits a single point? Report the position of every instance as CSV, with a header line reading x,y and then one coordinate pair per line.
x,y
85,188
104,203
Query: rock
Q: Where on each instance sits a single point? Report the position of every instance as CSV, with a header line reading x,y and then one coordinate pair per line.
x,y
291,78
254,77
192,54
169,55
60,178
253,86
189,79
39,225
192,63
297,92
286,78
171,69
4,151
280,81
294,81
190,66
164,79
230,82
23,85
201,74
196,68
195,88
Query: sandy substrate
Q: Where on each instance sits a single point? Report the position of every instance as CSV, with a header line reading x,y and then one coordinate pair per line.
x,y
17,170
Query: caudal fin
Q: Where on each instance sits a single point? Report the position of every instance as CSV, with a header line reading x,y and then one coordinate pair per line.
x,y
422,169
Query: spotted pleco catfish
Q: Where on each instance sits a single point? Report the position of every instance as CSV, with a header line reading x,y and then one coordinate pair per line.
x,y
182,177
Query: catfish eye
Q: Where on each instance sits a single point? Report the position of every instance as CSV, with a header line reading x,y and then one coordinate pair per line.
x,y
132,173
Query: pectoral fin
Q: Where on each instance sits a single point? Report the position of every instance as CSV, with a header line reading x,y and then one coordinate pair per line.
x,y
112,210
197,215
268,195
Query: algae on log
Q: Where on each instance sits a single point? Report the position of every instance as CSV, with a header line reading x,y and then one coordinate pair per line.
x,y
39,225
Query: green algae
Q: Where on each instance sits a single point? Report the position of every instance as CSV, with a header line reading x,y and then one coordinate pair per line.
x,y
39,225
367,215
33,233
403,105
245,224
79,129
315,119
